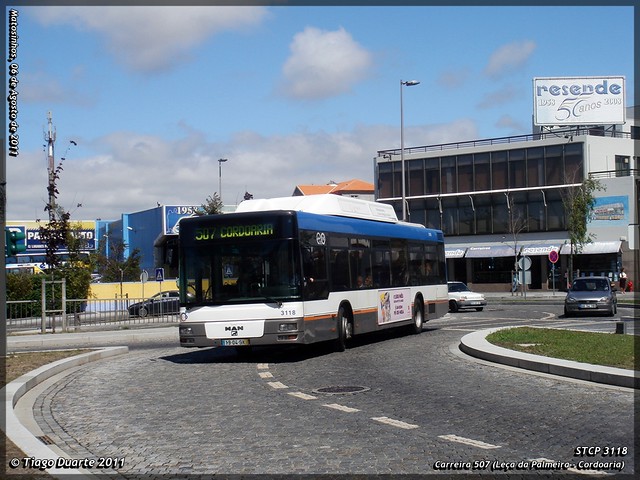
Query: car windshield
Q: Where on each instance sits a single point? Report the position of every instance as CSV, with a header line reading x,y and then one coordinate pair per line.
x,y
590,285
458,287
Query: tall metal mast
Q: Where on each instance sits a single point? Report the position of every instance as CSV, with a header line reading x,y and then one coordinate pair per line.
x,y
50,138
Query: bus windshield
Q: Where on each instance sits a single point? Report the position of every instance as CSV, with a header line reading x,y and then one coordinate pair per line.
x,y
248,271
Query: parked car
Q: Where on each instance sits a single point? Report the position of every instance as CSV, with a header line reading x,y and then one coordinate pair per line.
x,y
461,296
160,304
591,295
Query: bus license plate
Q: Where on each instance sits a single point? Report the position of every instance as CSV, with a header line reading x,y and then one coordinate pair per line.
x,y
234,342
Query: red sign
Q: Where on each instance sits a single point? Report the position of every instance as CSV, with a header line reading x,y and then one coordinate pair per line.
x,y
553,256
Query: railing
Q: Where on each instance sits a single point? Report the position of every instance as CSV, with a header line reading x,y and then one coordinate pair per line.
x,y
105,314
626,172
567,134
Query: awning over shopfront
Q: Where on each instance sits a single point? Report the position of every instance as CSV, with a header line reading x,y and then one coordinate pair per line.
x,y
594,248
528,248
490,251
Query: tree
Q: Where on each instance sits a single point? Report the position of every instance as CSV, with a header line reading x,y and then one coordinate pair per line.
x,y
516,224
114,268
211,206
578,202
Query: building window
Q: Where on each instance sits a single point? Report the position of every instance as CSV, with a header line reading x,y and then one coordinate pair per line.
x,y
535,167
516,168
432,176
623,166
500,213
536,211
483,213
555,210
553,163
482,179
416,177
448,174
465,173
466,215
498,170
385,178
450,215
433,213
573,161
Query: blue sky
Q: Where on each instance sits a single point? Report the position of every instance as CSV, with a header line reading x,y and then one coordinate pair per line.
x,y
154,96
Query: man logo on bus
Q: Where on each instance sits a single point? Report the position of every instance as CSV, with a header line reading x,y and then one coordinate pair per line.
x,y
234,330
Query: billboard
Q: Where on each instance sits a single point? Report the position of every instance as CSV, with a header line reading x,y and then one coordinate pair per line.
x,y
561,101
84,229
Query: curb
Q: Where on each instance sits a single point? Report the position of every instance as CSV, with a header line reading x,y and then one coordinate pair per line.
x,y
13,391
476,345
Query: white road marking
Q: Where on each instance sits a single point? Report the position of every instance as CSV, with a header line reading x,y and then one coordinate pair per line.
x,y
263,366
394,423
301,395
342,408
277,385
265,375
468,441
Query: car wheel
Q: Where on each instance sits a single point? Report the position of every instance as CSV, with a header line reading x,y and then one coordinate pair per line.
x,y
566,312
143,312
453,306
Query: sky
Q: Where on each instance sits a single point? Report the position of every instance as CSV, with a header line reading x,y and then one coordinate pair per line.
x,y
146,100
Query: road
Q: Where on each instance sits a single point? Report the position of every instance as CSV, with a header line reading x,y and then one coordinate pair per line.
x,y
405,404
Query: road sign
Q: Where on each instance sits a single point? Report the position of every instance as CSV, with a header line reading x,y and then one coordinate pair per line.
x,y
144,276
159,274
553,256
524,263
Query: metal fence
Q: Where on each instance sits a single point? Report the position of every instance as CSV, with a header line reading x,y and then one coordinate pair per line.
x,y
24,315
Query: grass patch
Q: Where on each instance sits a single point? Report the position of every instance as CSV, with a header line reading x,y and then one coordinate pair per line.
x,y
588,347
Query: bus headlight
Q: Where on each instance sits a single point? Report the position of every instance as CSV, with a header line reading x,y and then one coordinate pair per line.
x,y
186,331
287,327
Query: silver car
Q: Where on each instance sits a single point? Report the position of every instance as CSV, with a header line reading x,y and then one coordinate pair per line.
x,y
591,295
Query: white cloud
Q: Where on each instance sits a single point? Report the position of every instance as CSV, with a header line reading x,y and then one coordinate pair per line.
x,y
323,64
509,58
134,172
150,39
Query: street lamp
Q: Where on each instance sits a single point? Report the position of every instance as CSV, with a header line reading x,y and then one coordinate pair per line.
x,y
408,83
220,160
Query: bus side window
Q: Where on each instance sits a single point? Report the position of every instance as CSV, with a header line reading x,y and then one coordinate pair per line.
x,y
316,285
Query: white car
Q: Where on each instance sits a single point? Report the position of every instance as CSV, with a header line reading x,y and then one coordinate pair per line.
x,y
461,297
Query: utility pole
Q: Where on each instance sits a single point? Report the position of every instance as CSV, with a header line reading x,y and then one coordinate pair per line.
x,y
50,138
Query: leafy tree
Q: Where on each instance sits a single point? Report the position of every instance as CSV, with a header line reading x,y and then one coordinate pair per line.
x,y
516,224
578,202
212,205
114,268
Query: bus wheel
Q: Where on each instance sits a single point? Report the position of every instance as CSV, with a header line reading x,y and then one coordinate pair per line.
x,y
345,330
418,317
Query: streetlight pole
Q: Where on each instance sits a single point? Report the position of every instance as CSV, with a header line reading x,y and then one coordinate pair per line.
x,y
220,160
408,83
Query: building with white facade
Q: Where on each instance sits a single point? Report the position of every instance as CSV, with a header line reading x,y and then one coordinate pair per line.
x,y
500,199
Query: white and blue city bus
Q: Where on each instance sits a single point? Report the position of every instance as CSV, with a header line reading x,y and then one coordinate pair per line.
x,y
300,270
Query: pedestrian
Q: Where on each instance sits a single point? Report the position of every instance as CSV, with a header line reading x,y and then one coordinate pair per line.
x,y
623,280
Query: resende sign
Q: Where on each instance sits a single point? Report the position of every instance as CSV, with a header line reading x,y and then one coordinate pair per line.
x,y
579,100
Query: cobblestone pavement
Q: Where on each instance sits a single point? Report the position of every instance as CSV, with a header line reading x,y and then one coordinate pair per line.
x,y
177,412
